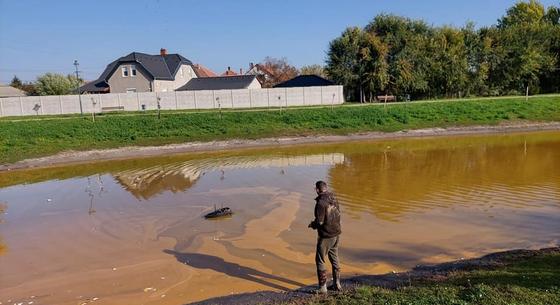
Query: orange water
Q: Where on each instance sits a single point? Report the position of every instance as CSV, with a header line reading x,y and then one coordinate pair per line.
x,y
132,232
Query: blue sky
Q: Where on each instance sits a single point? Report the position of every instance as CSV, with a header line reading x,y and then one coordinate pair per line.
x,y
38,36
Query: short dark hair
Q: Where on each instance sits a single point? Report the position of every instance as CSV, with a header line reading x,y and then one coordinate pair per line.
x,y
321,185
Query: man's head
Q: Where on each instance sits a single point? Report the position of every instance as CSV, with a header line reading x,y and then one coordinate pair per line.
x,y
320,187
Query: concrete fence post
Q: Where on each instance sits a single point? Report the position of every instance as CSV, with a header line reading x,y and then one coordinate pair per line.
x,y
213,99
41,104
303,94
176,102
1,107
250,98
119,99
268,96
231,93
194,92
60,104
21,105
138,101
286,97
321,95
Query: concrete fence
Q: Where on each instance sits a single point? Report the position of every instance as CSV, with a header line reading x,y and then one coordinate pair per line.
x,y
242,98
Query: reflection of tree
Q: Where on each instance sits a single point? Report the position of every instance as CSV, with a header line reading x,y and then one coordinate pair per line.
x,y
178,177
145,183
391,183
3,208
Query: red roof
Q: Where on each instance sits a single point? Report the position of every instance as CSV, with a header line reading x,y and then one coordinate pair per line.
x,y
229,72
202,71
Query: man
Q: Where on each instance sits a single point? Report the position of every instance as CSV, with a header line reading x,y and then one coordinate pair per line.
x,y
327,224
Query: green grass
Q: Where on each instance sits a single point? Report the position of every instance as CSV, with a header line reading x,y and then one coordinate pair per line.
x,y
21,139
534,281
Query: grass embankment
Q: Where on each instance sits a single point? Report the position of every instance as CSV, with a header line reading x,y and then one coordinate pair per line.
x,y
532,281
21,139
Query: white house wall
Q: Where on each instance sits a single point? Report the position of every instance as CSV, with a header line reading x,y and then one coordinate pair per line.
x,y
180,80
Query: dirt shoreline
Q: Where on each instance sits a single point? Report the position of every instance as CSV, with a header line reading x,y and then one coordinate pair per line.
x,y
391,280
77,157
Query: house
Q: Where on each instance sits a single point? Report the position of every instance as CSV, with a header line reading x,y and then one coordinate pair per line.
x,y
263,73
9,91
229,72
139,72
202,71
305,81
222,83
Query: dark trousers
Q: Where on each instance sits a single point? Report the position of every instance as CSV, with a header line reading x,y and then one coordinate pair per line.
x,y
326,247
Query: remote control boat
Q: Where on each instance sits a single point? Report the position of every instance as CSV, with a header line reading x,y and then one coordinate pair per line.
x,y
219,213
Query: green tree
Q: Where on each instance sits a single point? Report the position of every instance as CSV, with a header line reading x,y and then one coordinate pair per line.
x,y
401,56
343,61
523,13
313,70
16,82
56,84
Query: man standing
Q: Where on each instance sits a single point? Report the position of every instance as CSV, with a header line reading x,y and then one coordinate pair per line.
x,y
327,224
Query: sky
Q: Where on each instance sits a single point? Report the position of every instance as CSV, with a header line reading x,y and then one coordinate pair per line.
x,y
38,36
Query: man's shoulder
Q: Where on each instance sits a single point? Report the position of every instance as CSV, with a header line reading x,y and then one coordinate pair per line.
x,y
324,198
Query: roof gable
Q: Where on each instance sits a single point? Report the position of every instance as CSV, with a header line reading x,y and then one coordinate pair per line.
x,y
158,67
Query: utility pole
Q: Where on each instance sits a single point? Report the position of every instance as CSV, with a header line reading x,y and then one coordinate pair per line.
x,y
76,64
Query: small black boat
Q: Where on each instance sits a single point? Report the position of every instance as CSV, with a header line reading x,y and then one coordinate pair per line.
x,y
223,212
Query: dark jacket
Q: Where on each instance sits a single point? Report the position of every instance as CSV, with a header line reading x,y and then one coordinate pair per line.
x,y
327,216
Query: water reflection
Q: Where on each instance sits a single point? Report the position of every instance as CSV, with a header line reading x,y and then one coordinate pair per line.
x,y
147,182
393,182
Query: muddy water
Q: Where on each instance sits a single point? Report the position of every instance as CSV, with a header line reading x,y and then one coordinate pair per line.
x,y
131,232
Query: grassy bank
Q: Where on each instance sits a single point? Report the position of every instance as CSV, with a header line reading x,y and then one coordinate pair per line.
x,y
21,139
531,281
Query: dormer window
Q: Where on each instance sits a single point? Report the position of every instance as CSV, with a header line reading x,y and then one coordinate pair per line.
x,y
133,71
124,71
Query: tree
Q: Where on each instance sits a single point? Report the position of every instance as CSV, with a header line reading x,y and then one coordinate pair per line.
x,y
553,15
56,84
313,70
16,82
401,56
523,13
279,69
343,61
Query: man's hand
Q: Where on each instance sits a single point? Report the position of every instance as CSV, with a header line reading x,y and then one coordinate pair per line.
x,y
312,225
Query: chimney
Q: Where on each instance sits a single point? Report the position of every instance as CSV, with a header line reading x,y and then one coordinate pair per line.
x,y
162,52
229,68
240,71
251,66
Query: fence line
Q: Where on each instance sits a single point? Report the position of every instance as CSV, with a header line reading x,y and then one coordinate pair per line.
x,y
173,100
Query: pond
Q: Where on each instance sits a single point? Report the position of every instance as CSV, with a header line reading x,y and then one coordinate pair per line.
x,y
133,232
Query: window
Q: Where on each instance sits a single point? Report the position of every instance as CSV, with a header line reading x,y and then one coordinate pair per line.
x,y
124,71
130,90
133,70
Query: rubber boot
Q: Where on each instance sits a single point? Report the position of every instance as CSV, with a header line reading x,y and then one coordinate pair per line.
x,y
336,286
322,277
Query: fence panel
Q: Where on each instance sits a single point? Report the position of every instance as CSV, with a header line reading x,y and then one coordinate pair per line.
x,y
206,99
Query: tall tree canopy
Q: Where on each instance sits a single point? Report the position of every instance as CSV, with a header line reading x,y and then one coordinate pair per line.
x,y
401,56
